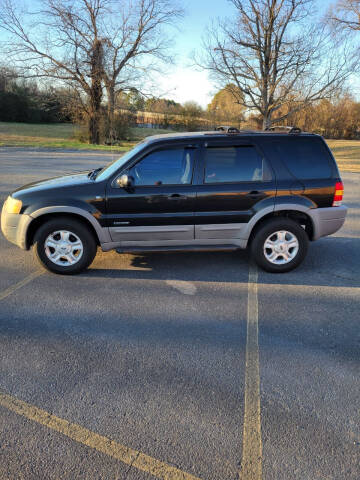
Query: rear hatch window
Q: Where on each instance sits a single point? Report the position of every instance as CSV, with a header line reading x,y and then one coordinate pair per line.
x,y
306,158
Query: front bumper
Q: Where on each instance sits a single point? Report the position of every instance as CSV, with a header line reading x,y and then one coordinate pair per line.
x,y
327,220
14,227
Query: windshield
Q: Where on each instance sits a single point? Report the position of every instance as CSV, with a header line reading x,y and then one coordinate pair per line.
x,y
107,171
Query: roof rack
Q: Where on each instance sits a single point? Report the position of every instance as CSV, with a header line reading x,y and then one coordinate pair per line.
x,y
283,128
275,128
227,129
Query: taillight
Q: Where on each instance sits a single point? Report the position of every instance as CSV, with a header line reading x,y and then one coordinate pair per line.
x,y
339,193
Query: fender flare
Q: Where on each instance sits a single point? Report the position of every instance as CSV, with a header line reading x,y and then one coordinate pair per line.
x,y
101,232
295,207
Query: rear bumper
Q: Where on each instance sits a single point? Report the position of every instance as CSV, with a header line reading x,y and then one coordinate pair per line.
x,y
327,220
14,227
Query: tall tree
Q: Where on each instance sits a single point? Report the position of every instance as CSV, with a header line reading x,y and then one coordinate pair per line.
x,y
273,52
62,42
90,44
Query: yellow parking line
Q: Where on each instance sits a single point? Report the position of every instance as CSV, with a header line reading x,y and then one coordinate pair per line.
x,y
18,285
81,435
251,465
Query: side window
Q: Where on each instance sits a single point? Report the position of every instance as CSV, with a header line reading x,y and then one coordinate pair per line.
x,y
306,158
234,164
164,167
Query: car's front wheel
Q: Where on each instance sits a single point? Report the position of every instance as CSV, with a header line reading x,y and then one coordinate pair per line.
x,y
64,246
279,245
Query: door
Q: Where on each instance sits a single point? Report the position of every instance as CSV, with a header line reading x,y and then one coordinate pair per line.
x,y
235,182
159,206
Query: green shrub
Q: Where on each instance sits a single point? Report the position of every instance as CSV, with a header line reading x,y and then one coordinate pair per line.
x,y
119,129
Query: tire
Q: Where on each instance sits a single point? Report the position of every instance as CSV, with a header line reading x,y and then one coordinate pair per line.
x,y
67,239
287,245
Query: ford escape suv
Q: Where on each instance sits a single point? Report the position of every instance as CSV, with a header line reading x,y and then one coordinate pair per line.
x,y
269,191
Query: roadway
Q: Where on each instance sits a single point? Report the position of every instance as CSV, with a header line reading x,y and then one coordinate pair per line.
x,y
136,369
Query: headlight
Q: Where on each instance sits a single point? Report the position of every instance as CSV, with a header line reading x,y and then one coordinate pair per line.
x,y
12,205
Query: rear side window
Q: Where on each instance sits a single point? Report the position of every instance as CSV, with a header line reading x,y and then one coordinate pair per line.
x,y
234,164
306,158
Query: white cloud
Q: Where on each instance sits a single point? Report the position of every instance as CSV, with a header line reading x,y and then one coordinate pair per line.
x,y
185,84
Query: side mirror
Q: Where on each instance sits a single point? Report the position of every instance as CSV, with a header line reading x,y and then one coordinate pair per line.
x,y
124,181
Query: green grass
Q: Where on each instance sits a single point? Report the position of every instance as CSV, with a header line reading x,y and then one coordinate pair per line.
x,y
347,154
61,135
64,135
141,133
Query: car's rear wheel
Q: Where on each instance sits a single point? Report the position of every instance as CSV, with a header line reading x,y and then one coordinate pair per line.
x,y
64,246
279,245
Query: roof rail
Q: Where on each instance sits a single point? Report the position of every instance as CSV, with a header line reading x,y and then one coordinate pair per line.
x,y
282,128
227,129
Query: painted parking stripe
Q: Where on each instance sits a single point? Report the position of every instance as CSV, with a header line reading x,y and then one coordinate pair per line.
x,y
251,465
187,288
22,283
100,443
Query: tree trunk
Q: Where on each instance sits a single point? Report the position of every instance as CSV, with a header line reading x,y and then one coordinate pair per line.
x,y
266,120
95,116
94,129
95,92
111,134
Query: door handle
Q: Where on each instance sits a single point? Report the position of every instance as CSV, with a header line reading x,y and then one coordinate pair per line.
x,y
176,196
255,193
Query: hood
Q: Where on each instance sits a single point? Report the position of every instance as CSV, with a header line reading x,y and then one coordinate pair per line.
x,y
55,182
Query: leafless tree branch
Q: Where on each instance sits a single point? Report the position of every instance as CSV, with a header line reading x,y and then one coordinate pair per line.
x,y
276,54
91,44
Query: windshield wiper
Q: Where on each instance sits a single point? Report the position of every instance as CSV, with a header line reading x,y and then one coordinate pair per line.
x,y
93,174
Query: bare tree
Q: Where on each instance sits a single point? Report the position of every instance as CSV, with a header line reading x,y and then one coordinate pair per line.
x,y
346,14
90,44
62,42
273,53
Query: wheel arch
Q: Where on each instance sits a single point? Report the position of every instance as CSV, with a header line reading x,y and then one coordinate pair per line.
x,y
43,215
300,215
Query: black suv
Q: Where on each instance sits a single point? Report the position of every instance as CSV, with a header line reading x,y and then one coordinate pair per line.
x,y
270,191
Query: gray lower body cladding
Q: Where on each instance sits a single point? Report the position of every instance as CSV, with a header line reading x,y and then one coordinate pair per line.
x,y
184,233
326,221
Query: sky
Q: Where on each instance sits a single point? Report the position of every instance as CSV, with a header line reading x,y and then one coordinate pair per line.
x,y
183,82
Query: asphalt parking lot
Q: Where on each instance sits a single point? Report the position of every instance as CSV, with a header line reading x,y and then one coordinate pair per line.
x,y
186,366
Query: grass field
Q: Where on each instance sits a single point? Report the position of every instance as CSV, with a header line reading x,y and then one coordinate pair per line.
x,y
60,135
347,152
